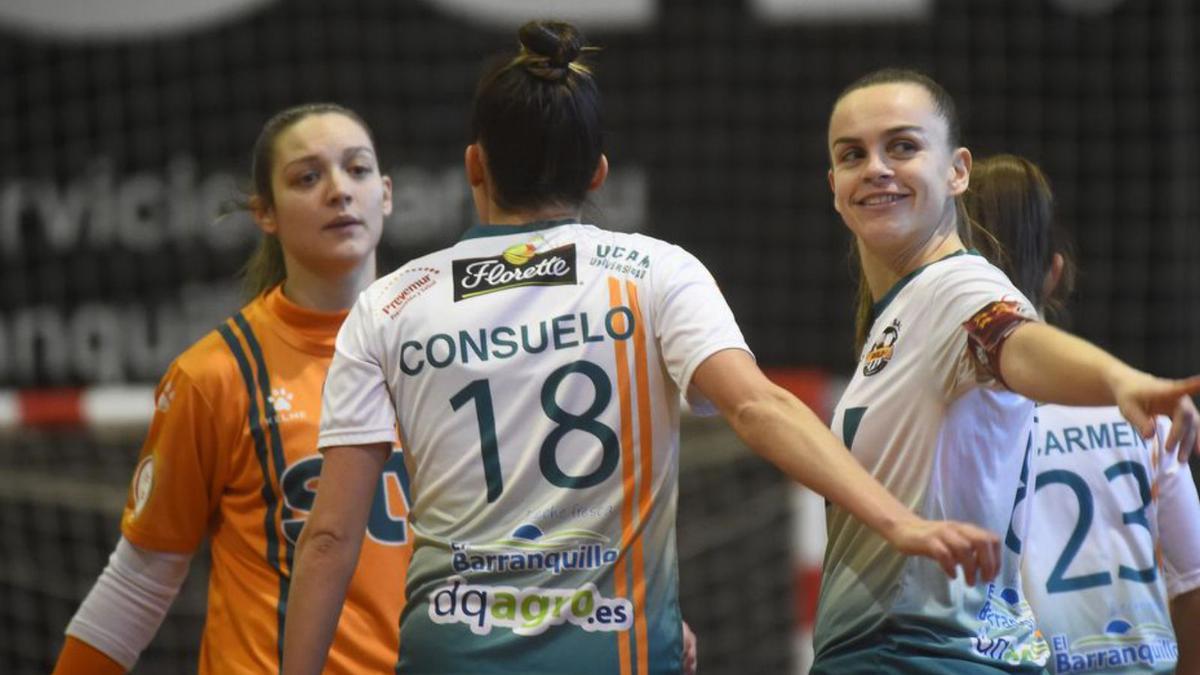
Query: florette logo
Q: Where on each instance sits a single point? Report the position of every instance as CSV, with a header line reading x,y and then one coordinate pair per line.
x,y
165,397
520,254
881,352
520,265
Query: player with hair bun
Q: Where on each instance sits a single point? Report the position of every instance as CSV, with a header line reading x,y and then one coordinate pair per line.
x,y
939,410
231,457
1112,557
534,369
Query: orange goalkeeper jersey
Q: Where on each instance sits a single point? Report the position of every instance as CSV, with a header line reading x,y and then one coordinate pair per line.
x,y
232,455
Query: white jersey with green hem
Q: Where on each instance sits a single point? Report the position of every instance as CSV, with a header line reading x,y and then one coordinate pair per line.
x,y
927,420
535,372
1090,567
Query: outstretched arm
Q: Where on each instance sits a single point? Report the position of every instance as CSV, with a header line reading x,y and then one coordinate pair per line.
x,y
781,429
1046,364
328,552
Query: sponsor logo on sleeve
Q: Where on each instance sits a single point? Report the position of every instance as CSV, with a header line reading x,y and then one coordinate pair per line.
x,y
165,397
989,328
143,483
521,265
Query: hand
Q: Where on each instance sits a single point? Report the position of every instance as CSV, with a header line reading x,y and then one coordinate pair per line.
x,y
689,650
1185,429
1140,397
952,544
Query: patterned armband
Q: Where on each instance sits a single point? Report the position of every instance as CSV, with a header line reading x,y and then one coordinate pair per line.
x,y
987,331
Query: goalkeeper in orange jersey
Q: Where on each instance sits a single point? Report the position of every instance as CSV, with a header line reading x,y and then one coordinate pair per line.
x,y
231,455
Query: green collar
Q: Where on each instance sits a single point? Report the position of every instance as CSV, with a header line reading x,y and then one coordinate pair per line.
x,y
887,298
500,230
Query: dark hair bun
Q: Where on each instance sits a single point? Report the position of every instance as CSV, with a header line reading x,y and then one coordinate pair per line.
x,y
560,43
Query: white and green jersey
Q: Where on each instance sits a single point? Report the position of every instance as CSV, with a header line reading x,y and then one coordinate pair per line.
x,y
927,421
535,373
1090,566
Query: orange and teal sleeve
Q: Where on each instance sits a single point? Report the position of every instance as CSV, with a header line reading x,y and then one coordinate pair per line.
x,y
175,488
79,658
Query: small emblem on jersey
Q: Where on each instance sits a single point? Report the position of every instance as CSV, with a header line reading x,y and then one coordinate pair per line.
x,y
425,279
283,406
520,254
621,260
521,265
143,482
989,328
281,399
163,403
882,350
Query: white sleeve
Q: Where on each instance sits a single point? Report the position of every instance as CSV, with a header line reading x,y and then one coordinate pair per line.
x,y
1179,527
692,321
356,408
958,298
123,611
